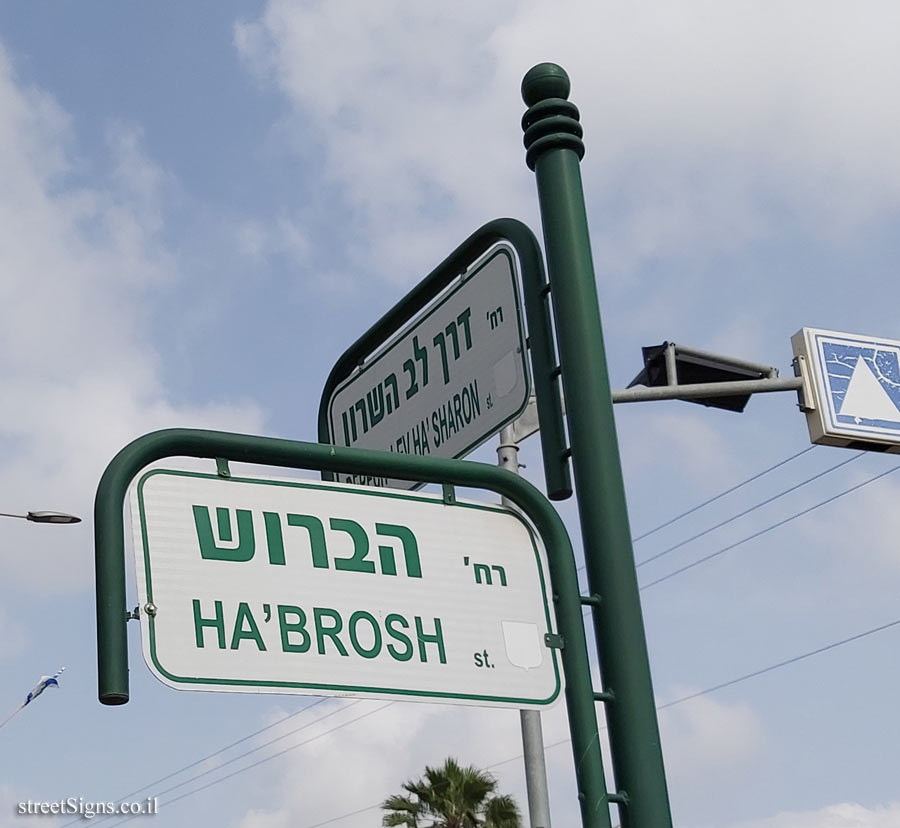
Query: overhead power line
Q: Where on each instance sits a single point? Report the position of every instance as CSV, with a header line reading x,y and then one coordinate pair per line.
x,y
260,747
128,796
769,528
661,707
720,495
206,758
731,682
667,705
259,762
818,651
753,508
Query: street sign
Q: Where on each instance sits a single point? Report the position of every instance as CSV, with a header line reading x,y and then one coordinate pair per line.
x,y
855,381
453,378
291,586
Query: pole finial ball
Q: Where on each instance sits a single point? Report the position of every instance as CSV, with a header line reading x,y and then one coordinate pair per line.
x,y
546,80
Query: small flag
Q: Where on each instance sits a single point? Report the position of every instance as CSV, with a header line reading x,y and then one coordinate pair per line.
x,y
43,684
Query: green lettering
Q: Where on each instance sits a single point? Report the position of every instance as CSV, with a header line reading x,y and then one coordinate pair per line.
x,y
358,562
436,638
274,537
389,623
316,537
457,412
375,649
410,550
252,631
467,404
208,548
218,622
442,420
322,632
288,627
452,426
435,429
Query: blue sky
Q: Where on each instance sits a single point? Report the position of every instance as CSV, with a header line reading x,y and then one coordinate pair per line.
x,y
203,204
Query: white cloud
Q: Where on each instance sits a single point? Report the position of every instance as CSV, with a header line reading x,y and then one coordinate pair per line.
x,y
408,128
15,636
707,737
286,238
706,123
844,815
359,765
705,112
688,438
80,378
870,518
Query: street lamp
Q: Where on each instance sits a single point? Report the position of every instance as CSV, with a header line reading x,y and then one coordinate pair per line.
x,y
45,517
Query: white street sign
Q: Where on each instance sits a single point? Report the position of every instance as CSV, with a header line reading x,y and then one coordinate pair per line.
x,y
855,380
290,586
453,378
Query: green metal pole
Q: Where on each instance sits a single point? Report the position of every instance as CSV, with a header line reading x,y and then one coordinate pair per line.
x,y
554,151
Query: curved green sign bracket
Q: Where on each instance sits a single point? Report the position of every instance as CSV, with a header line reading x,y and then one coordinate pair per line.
x,y
112,645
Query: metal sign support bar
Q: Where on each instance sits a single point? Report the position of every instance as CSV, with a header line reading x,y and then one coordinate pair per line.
x,y
554,150
112,642
528,423
706,389
532,730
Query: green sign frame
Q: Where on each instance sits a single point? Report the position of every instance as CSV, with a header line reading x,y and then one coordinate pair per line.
x,y
336,688
109,540
542,350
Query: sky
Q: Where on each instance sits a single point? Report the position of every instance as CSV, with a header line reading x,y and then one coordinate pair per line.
x,y
204,204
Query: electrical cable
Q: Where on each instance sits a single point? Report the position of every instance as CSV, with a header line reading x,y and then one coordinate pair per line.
x,y
721,494
320,701
259,761
740,514
206,758
667,705
785,663
259,747
229,761
753,508
786,520
770,668
653,583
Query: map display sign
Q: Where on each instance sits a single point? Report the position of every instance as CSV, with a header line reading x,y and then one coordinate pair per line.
x,y
292,586
452,379
856,383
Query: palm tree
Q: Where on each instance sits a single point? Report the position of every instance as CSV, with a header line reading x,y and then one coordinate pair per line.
x,y
451,797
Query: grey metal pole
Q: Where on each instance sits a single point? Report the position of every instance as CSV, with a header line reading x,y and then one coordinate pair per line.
x,y
532,731
706,389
